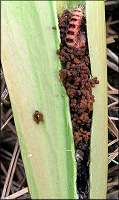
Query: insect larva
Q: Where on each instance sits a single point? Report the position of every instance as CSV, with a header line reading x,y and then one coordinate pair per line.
x,y
72,35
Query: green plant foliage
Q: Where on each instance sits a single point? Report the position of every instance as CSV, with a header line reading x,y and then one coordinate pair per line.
x,y
31,67
96,31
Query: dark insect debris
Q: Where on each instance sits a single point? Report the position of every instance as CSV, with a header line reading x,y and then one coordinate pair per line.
x,y
75,77
38,117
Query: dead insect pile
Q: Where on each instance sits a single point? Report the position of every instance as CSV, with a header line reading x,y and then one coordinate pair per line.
x,y
75,77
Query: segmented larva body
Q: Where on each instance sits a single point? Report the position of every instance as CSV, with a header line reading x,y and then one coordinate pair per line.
x,y
73,29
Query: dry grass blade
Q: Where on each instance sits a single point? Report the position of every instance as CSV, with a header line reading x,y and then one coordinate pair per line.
x,y
3,169
113,56
5,172
114,118
114,141
113,97
112,183
113,131
113,128
116,36
113,91
112,23
111,32
22,184
112,194
18,194
110,87
110,40
6,122
9,156
4,101
113,156
112,104
11,170
112,169
107,3
4,94
113,66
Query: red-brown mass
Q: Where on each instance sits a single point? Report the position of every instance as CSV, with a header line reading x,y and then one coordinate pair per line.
x,y
76,78
77,82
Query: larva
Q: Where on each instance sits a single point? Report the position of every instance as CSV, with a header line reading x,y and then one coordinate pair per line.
x,y
73,39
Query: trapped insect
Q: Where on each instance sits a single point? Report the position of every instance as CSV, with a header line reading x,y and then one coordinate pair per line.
x,y
79,156
38,117
73,38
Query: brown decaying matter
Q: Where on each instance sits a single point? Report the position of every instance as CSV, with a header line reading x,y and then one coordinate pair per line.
x,y
75,77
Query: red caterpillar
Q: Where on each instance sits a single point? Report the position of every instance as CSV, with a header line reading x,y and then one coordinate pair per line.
x,y
73,29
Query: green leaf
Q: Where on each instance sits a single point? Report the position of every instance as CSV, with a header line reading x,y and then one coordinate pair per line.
x,y
96,31
31,68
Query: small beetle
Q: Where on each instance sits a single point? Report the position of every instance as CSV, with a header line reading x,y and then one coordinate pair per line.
x,y
38,117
